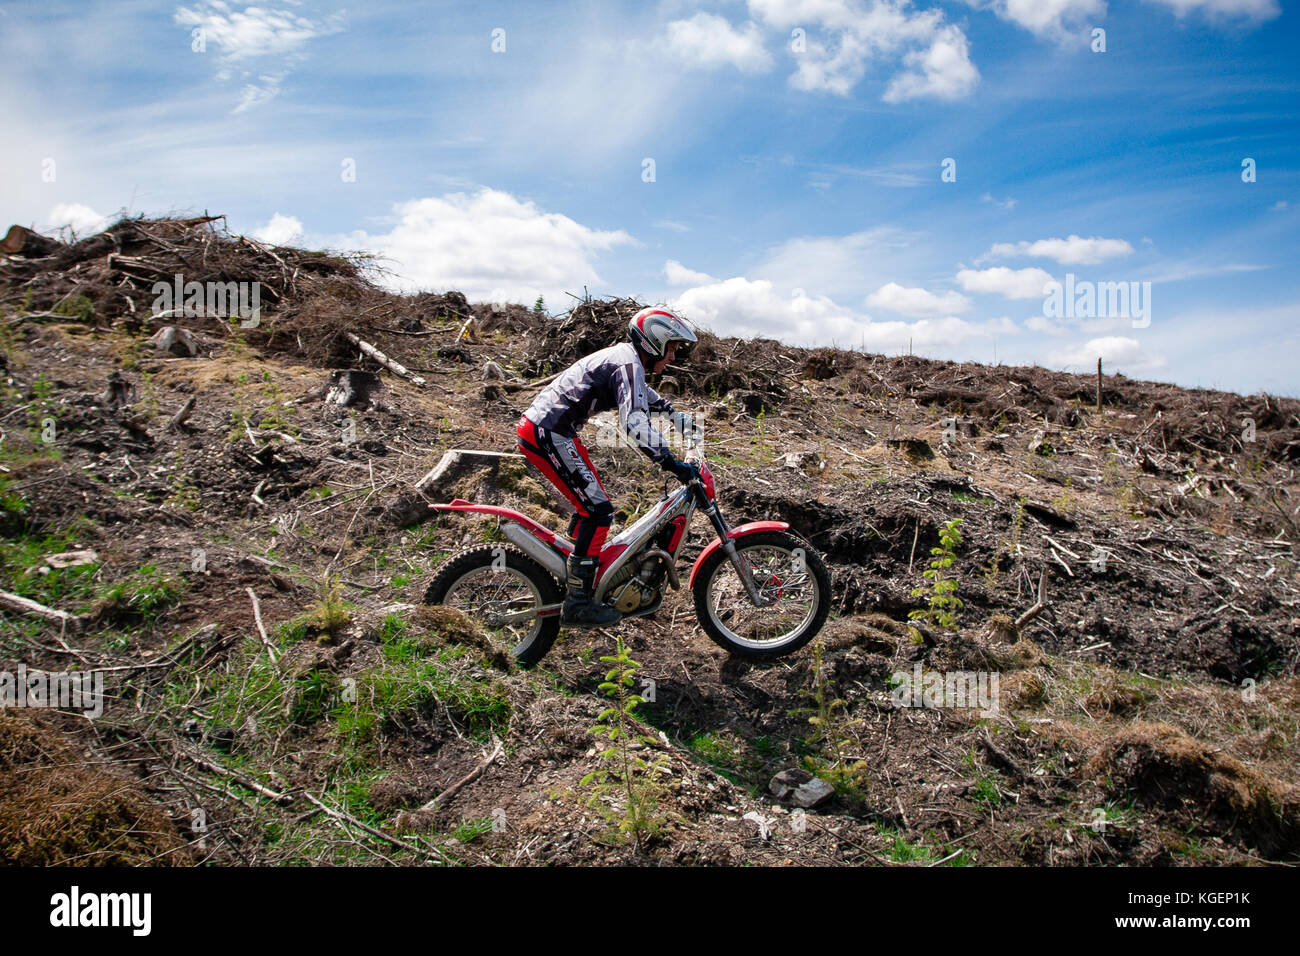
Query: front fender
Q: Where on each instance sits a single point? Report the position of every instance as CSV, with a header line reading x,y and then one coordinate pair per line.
x,y
738,532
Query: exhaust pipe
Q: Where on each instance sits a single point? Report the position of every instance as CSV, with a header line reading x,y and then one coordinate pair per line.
x,y
547,557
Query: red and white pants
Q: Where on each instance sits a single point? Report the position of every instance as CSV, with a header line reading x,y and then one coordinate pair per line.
x,y
565,463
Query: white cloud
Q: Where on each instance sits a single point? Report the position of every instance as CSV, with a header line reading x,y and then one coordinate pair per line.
x,y
1053,19
707,41
844,37
1002,325
846,267
1040,323
740,306
79,218
894,175
1199,267
489,245
1072,251
259,44
1117,353
754,308
266,88
944,71
1257,10
678,274
280,231
1007,203
918,303
1010,283
671,224
257,31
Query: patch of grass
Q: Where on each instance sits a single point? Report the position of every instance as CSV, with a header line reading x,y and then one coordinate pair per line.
x,y
316,694
985,790
15,507
357,799
406,687
77,307
393,627
249,699
294,630
144,593
724,752
330,613
1186,846
21,559
471,830
902,850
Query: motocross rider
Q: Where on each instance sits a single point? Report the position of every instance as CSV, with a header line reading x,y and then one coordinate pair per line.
x,y
614,377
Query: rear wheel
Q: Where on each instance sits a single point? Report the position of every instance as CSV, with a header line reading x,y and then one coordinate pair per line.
x,y
787,572
488,582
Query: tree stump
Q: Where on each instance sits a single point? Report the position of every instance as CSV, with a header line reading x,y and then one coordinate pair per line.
x,y
118,392
178,342
21,241
353,388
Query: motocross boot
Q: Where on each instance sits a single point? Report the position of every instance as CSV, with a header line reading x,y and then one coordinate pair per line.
x,y
579,609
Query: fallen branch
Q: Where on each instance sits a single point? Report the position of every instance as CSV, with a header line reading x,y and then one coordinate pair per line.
x,y
239,778
445,797
340,817
1039,605
1060,547
257,616
392,365
178,419
1061,561
1000,757
381,328
22,605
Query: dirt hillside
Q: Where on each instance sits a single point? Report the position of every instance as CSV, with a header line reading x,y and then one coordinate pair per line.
x,y
276,690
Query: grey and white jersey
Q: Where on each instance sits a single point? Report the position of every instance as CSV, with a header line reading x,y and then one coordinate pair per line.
x,y
610,378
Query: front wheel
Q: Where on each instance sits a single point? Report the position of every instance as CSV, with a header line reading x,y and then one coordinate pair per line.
x,y
489,582
788,573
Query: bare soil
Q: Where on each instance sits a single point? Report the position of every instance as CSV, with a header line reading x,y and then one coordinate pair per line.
x,y
1148,715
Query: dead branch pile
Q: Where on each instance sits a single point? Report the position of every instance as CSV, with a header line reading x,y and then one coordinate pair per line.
x,y
112,274
312,302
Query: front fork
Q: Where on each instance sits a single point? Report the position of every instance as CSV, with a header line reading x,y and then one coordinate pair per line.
x,y
729,548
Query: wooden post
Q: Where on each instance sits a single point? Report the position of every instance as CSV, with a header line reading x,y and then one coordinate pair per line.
x,y
1098,384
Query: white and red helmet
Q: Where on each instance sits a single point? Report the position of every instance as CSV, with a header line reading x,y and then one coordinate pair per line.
x,y
653,328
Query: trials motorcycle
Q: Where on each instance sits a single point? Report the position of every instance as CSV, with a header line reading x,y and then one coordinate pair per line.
x,y
760,590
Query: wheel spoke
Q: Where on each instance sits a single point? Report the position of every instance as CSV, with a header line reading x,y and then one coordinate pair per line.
x,y
790,589
489,595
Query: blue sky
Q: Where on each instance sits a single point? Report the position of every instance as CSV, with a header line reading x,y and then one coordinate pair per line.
x,y
798,148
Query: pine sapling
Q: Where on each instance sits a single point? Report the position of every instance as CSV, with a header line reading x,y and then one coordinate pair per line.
x,y
942,601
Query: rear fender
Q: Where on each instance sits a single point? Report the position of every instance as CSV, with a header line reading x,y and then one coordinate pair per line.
x,y
541,532
754,527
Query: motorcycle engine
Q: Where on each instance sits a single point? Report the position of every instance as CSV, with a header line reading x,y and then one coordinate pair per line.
x,y
637,585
